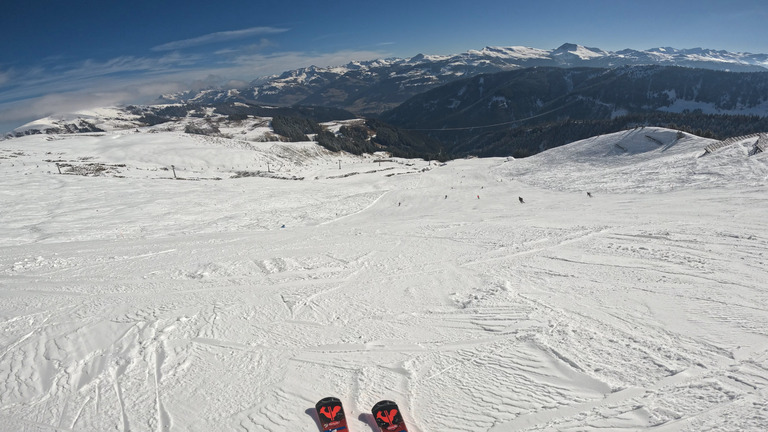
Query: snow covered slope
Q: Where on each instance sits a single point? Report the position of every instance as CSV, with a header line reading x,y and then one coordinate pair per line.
x,y
110,118
644,160
228,299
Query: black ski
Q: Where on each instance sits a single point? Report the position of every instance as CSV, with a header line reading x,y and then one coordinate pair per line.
x,y
388,417
331,415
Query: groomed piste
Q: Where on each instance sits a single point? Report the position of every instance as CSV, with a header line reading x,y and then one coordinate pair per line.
x,y
153,280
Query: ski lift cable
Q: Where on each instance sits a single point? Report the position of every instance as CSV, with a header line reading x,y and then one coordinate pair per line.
x,y
496,124
578,99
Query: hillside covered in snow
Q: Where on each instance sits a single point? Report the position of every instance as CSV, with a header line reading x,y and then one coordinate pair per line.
x,y
152,279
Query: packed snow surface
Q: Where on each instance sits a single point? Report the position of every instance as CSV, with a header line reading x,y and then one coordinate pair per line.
x,y
169,282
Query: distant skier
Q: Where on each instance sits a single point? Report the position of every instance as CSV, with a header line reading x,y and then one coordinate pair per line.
x,y
589,194
521,200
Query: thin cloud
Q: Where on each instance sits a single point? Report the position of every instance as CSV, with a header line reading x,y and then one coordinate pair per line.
x,y
218,37
261,45
40,81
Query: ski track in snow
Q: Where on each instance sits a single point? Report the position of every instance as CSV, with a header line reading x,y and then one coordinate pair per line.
x,y
130,301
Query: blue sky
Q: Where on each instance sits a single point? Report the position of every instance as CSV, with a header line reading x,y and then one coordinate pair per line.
x,y
58,56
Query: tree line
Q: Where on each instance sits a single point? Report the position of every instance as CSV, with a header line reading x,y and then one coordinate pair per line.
x,y
368,136
527,140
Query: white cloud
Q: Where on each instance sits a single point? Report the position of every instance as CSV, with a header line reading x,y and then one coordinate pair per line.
x,y
105,93
218,37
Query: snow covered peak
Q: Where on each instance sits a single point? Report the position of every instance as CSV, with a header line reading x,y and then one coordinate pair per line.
x,y
579,51
512,52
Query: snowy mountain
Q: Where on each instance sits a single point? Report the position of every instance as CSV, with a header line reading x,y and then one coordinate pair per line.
x,y
370,87
333,129
233,120
153,286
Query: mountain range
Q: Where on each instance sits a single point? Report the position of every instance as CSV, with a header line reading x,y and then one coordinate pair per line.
x,y
582,93
370,87
494,102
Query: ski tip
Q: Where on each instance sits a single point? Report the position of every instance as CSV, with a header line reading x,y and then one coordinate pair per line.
x,y
383,403
330,400
388,417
